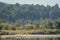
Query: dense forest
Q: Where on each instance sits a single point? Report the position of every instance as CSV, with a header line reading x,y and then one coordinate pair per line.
x,y
25,12
29,16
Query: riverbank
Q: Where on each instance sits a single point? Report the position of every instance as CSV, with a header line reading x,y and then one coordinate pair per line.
x,y
32,31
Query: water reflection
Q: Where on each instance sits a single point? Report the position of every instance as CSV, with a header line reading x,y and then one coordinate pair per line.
x,y
30,38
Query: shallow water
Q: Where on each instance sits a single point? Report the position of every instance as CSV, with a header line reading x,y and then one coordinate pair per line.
x,y
30,38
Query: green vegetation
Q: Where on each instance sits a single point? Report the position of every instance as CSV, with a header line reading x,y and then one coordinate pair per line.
x,y
44,27
25,12
44,24
29,17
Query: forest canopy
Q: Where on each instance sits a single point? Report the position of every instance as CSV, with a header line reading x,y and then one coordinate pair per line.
x,y
25,12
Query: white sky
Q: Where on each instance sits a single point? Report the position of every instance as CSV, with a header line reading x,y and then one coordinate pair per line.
x,y
44,2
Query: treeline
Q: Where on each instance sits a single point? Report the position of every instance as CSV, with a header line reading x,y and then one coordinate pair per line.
x,y
24,12
44,24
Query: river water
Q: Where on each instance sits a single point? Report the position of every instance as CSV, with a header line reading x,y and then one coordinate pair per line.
x,y
30,37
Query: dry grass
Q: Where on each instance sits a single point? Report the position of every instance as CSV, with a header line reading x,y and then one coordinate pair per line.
x,y
29,31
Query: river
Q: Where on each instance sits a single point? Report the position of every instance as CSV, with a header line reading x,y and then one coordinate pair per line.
x,y
30,36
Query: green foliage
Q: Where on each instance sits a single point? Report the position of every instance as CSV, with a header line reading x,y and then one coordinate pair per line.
x,y
56,24
36,26
1,27
14,12
28,26
46,24
2,20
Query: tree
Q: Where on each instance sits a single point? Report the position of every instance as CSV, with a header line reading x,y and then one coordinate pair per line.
x,y
36,26
17,23
2,20
1,27
46,24
28,26
56,24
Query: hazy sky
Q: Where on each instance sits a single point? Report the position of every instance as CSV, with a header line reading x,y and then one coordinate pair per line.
x,y
44,2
